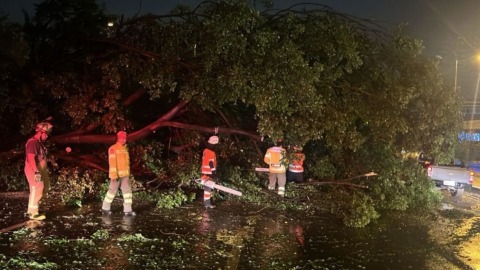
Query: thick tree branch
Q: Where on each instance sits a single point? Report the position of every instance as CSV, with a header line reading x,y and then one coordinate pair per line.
x,y
140,51
237,122
178,149
134,136
254,136
133,97
84,163
227,122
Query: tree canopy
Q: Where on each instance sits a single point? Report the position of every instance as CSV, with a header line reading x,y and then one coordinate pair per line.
x,y
354,93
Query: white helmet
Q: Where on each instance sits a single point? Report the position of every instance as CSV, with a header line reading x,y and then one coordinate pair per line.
x,y
297,148
44,127
213,140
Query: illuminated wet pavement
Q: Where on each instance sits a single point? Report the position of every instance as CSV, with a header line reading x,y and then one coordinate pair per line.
x,y
231,236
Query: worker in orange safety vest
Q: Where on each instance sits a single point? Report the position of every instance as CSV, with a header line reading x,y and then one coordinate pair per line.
x,y
119,174
36,168
276,160
209,169
295,168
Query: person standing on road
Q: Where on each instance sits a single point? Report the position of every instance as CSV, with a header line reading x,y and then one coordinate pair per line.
x,y
295,168
36,168
276,159
209,169
119,174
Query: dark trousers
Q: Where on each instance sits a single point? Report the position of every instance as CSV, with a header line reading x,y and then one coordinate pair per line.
x,y
294,177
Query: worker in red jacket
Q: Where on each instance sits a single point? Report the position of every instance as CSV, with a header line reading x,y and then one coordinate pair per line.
x,y
209,169
36,168
295,168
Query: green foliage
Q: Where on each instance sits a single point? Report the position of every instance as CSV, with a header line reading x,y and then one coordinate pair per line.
x,y
180,244
151,156
100,235
60,242
103,189
172,198
138,237
353,95
23,263
167,199
22,233
75,184
356,210
400,185
467,151
12,173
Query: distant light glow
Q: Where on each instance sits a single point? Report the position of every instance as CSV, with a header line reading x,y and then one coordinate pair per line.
x,y
110,24
469,136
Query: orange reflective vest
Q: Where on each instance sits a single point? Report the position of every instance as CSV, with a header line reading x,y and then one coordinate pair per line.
x,y
275,159
118,161
208,155
296,165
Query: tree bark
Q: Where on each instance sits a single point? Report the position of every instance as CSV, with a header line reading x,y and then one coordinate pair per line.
x,y
147,130
137,135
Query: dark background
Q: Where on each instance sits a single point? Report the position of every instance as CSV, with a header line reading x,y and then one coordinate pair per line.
x,y
446,27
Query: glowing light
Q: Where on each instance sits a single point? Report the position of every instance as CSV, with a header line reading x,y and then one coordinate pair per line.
x,y
469,136
110,24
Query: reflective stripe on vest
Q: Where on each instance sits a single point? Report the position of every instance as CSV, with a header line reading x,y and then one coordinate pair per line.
x,y
274,158
297,164
295,168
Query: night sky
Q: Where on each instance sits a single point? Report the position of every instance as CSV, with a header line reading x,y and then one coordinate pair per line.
x,y
439,23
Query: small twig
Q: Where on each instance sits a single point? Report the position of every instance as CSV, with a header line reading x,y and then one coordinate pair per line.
x,y
259,210
358,176
151,181
13,227
335,183
174,233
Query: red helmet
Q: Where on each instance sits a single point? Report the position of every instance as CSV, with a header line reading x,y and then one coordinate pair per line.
x,y
122,135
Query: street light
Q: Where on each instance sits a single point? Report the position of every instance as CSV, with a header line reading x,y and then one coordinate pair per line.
x,y
477,58
456,64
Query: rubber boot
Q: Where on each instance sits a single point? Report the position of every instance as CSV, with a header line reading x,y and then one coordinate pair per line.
x,y
36,216
208,205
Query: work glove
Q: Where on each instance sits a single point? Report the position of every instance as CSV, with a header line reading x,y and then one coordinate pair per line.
x,y
38,177
214,175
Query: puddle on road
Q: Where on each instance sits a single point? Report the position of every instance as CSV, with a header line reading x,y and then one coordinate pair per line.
x,y
232,236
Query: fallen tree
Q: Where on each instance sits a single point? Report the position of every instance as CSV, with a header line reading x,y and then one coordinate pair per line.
x,y
348,89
